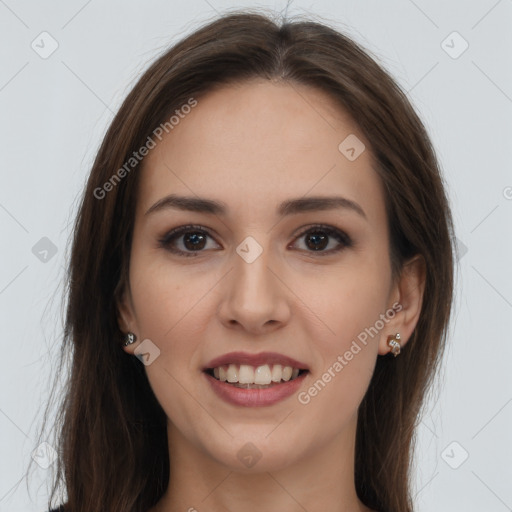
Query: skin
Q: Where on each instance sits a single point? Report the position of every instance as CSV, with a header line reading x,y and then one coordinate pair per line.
x,y
252,146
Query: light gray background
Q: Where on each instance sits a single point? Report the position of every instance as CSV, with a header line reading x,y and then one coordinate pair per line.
x,y
55,111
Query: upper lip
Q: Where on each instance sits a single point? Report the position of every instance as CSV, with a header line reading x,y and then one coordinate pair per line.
x,y
255,360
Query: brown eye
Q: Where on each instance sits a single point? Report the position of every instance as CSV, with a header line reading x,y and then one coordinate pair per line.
x,y
192,238
317,238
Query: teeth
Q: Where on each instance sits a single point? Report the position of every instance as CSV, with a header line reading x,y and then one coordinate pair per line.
x,y
277,371
232,373
246,374
263,375
287,373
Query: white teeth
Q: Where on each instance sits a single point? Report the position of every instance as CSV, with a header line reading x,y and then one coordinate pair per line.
x,y
277,371
246,374
263,375
232,373
287,373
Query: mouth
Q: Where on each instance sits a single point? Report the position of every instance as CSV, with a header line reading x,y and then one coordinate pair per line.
x,y
255,380
255,377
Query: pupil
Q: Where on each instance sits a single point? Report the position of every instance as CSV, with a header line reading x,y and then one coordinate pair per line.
x,y
316,239
195,239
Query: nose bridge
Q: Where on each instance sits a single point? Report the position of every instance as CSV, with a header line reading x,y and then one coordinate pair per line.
x,y
252,277
255,296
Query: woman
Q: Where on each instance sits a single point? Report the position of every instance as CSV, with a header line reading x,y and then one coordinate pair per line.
x,y
260,283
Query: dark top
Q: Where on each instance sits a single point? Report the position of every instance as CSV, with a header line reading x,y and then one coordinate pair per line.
x,y
60,509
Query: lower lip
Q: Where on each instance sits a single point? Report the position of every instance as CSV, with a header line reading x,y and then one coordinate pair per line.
x,y
255,397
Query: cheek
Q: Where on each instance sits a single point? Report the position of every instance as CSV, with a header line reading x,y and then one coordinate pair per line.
x,y
167,303
339,383
348,302
164,302
352,308
335,395
165,295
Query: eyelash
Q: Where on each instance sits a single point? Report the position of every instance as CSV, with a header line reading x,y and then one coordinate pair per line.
x,y
340,236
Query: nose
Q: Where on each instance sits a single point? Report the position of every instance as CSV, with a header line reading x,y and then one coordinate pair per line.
x,y
254,297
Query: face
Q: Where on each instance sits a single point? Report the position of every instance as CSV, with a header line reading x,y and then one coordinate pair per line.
x,y
305,287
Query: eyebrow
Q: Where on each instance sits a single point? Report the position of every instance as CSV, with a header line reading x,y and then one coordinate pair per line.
x,y
288,207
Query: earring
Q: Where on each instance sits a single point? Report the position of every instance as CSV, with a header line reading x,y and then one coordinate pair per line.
x,y
394,344
129,339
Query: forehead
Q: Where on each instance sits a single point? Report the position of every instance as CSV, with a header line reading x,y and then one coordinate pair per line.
x,y
255,144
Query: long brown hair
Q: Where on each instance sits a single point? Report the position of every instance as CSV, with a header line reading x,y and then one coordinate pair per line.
x,y
112,439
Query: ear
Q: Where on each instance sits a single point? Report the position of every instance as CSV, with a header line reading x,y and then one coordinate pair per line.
x,y
406,300
126,318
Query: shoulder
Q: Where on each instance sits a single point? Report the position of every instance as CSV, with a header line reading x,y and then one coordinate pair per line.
x,y
60,509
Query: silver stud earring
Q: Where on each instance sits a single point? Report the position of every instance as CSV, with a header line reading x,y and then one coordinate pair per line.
x,y
394,344
129,339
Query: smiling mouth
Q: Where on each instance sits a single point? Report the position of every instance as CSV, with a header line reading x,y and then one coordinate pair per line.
x,y
254,377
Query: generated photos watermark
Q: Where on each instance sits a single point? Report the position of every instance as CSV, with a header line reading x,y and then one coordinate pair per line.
x,y
137,156
304,397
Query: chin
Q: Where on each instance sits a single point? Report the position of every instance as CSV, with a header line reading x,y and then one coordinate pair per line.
x,y
257,451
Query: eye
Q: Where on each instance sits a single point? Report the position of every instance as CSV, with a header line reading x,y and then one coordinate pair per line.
x,y
317,239
194,240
